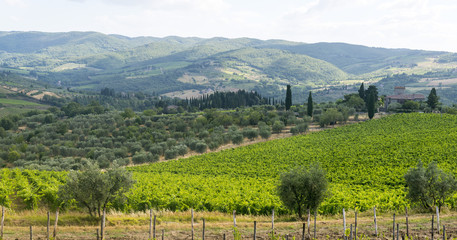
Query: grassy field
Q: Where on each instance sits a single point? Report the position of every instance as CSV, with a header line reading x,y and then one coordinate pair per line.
x,y
178,225
13,110
18,102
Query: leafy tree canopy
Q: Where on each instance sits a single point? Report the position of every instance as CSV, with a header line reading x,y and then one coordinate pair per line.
x,y
429,187
94,189
303,188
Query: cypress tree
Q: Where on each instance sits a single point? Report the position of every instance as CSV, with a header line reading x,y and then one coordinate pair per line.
x,y
310,105
362,92
288,98
432,99
372,97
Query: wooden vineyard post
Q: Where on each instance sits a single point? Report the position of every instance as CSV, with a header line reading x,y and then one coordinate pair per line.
x,y
31,232
192,217
407,223
3,221
98,234
438,219
393,228
150,223
355,229
375,222
54,234
303,231
255,230
203,233
344,224
444,232
47,227
350,235
223,237
273,220
398,234
154,228
102,226
163,234
315,216
309,219
234,218
433,219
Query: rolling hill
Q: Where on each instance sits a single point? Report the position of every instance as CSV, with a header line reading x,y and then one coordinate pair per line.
x,y
92,61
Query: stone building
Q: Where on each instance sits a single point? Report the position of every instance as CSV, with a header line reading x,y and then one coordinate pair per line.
x,y
400,97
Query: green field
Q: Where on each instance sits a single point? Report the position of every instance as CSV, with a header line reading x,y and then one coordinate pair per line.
x,y
17,102
365,162
13,110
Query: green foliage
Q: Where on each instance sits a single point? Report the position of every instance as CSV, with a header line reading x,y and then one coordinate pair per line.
x,y
331,117
411,105
298,129
250,133
57,142
13,155
394,107
128,113
277,126
6,189
302,188
288,98
7,123
362,92
201,147
264,130
429,187
73,108
95,190
432,99
309,109
365,165
236,234
371,100
354,101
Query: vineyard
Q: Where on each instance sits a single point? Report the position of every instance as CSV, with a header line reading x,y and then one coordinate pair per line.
x,y
365,165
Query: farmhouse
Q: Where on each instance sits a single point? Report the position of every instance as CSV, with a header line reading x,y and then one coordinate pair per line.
x,y
400,97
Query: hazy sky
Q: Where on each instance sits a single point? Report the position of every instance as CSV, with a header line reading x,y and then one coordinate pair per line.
x,y
417,24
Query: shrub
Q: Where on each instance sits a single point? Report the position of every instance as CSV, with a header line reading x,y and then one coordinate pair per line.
x,y
237,137
201,147
171,153
277,126
250,133
265,132
181,149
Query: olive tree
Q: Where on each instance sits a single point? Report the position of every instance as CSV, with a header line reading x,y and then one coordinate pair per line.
x,y
303,188
429,187
94,189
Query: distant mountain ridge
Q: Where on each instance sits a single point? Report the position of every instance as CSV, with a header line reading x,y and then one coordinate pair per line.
x,y
92,61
